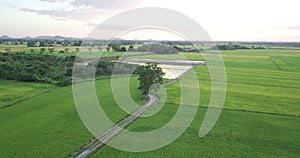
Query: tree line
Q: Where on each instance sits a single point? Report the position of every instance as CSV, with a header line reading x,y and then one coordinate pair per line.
x,y
50,68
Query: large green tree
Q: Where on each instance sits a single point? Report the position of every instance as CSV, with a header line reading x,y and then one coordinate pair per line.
x,y
149,74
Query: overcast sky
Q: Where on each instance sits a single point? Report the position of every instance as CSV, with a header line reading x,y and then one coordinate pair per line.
x,y
247,20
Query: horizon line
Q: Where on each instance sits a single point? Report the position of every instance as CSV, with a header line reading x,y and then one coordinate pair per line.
x,y
113,38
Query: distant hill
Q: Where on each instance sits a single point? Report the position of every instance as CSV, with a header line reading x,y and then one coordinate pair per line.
x,y
5,37
43,37
56,38
27,37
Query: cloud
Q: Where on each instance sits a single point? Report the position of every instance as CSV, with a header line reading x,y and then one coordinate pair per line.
x,y
53,1
89,11
111,4
75,14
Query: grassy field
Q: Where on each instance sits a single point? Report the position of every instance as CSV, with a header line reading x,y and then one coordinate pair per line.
x,y
249,89
126,54
262,89
236,134
279,60
12,91
258,81
22,48
266,81
49,125
179,56
71,50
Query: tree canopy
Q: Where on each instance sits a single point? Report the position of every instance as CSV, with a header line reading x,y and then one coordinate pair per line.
x,y
149,75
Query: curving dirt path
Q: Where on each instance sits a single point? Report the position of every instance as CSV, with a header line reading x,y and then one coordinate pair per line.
x,y
117,128
151,99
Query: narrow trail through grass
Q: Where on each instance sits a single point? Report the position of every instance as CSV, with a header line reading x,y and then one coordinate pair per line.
x,y
49,126
258,118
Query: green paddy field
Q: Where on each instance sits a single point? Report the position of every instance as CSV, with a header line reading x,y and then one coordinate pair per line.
x,y
260,116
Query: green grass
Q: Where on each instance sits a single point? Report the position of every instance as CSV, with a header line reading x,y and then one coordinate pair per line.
x,y
264,81
281,60
250,89
178,56
13,91
49,125
255,84
22,48
270,91
112,54
45,126
236,134
72,50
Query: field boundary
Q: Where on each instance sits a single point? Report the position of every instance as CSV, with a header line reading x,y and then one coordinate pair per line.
x,y
29,97
47,91
244,110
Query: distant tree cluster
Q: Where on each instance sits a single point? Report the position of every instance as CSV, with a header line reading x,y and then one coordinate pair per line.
x,y
234,47
115,47
51,43
36,67
106,67
54,41
157,48
51,68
